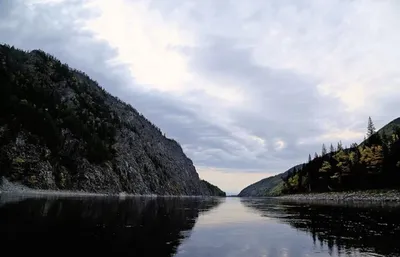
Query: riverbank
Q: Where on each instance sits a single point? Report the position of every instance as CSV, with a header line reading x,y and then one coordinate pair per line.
x,y
15,189
369,195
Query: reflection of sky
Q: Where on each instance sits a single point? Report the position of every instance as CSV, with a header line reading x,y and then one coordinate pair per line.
x,y
225,214
233,230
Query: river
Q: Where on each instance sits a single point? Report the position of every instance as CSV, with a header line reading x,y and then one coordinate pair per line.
x,y
203,227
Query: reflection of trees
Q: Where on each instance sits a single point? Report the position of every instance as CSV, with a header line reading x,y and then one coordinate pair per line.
x,y
365,227
133,226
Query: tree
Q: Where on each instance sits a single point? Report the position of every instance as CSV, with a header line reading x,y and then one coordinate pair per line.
x,y
309,158
326,167
373,138
332,149
397,132
300,182
354,145
372,157
342,158
354,157
323,150
339,146
342,164
315,155
385,139
370,128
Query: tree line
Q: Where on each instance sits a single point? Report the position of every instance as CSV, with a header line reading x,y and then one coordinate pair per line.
x,y
374,164
32,99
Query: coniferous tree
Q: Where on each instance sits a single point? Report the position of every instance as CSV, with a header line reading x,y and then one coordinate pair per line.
x,y
354,145
309,158
373,164
332,149
300,181
339,146
385,139
323,150
370,128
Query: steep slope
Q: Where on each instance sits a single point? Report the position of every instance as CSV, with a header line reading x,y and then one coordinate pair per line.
x,y
390,128
60,130
386,131
270,186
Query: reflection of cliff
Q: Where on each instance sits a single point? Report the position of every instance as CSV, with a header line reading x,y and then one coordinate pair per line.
x,y
362,227
96,226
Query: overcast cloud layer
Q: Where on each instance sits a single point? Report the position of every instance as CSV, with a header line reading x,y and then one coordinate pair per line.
x,y
249,88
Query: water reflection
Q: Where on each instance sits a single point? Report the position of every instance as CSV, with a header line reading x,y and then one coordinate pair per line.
x,y
349,229
190,227
97,226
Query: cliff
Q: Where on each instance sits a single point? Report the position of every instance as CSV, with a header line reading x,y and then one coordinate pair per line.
x,y
60,130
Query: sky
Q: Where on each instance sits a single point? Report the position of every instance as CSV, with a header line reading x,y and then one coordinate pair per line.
x,y
248,87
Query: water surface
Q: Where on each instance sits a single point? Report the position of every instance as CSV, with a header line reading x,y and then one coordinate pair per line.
x,y
196,227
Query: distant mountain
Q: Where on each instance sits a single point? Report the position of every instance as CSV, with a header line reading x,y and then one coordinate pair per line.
x,y
60,130
271,186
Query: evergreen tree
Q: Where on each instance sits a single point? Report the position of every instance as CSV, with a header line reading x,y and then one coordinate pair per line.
x,y
315,155
300,181
339,146
385,139
309,158
326,167
354,145
323,150
370,128
332,149
373,138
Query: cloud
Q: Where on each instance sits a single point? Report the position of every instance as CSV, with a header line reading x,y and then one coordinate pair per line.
x,y
143,37
233,181
279,144
247,87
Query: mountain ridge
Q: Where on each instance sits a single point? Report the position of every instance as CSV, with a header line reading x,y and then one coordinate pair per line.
x,y
60,130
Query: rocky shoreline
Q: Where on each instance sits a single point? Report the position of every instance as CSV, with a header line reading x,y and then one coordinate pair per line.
x,y
12,189
370,195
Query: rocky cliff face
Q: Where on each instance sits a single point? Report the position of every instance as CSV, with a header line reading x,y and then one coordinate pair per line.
x,y
60,130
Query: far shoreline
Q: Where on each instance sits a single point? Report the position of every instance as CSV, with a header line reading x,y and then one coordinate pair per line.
x,y
78,194
368,195
15,189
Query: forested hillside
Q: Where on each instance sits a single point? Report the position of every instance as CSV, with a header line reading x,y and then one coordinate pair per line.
x,y
374,164
271,186
60,130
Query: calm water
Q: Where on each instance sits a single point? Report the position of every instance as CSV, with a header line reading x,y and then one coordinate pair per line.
x,y
195,227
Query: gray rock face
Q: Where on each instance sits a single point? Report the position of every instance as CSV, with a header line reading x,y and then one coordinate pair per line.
x,y
79,137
